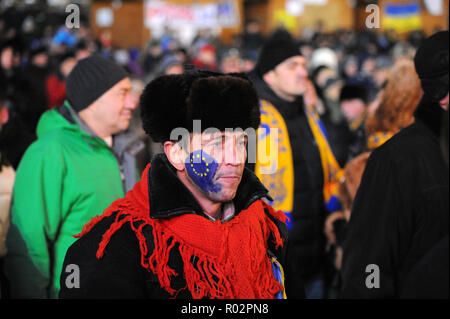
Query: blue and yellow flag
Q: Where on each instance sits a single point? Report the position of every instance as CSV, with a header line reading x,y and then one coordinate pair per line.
x,y
402,17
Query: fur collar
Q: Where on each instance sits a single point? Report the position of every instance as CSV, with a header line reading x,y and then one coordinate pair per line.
x,y
169,197
430,114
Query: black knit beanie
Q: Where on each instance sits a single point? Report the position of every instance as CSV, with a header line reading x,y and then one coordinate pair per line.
x,y
91,78
431,62
279,46
352,91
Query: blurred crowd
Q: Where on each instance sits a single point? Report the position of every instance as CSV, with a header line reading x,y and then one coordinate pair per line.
x,y
35,62
364,87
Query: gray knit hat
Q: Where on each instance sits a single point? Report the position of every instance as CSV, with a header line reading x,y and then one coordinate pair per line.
x,y
91,78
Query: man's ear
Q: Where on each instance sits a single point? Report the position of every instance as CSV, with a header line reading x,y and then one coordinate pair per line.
x,y
4,116
175,154
268,77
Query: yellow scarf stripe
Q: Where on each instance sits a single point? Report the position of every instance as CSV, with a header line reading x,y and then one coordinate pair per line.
x,y
274,260
275,167
377,139
332,172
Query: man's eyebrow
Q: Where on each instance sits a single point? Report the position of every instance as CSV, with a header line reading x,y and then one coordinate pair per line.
x,y
210,138
222,135
122,89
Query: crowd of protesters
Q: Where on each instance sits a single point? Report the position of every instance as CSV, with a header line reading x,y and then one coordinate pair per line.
x,y
39,66
360,89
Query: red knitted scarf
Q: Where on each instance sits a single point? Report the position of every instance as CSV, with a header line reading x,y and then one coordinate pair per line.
x,y
232,259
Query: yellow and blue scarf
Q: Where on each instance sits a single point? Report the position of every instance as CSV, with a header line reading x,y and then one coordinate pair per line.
x,y
276,169
377,139
332,172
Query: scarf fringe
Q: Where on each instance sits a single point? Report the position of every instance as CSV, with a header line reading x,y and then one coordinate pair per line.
x,y
205,275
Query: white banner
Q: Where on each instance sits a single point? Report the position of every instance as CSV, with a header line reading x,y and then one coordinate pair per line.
x,y
223,14
315,2
104,17
435,7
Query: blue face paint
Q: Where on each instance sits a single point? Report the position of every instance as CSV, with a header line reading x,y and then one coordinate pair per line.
x,y
201,168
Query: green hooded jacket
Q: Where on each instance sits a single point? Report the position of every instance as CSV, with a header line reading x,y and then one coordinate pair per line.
x,y
64,179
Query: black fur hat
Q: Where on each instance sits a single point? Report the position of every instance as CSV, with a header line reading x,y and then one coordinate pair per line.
x,y
431,62
218,100
353,91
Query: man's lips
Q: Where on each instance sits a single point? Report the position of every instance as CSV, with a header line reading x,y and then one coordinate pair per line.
x,y
126,116
229,178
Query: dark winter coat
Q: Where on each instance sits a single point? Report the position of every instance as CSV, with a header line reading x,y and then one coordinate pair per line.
x,y
399,220
306,249
119,273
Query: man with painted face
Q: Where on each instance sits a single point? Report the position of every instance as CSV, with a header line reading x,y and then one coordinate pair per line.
x,y
197,224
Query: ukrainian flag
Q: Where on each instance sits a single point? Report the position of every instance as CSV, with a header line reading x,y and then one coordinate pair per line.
x,y
402,17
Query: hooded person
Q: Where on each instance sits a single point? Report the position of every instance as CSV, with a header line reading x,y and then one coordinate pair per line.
x,y
397,239
353,100
72,171
197,225
300,170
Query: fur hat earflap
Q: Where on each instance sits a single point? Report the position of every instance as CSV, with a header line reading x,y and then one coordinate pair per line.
x,y
163,105
218,100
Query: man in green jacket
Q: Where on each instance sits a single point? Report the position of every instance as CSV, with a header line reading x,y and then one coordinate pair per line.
x,y
67,176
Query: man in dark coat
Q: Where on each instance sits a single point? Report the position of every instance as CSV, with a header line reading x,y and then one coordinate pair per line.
x,y
196,225
281,79
353,100
397,244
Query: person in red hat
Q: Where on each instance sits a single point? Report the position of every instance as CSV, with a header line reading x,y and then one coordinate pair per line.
x,y
206,58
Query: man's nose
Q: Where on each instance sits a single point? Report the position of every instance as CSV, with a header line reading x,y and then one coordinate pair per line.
x,y
130,102
302,72
231,153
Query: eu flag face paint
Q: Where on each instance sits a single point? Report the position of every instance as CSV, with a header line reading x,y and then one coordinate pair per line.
x,y
201,168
